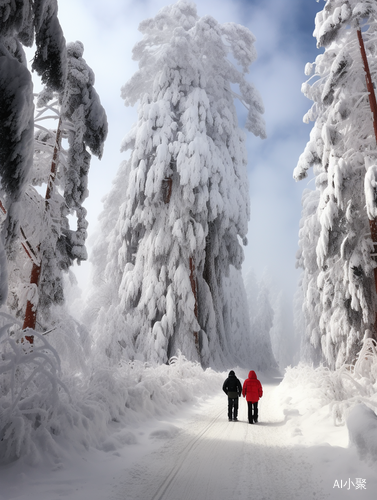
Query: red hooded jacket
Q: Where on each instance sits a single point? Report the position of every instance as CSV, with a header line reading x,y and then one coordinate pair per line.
x,y
252,388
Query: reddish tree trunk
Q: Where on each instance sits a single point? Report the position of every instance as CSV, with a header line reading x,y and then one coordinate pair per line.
x,y
372,96
31,310
54,163
373,107
167,185
195,292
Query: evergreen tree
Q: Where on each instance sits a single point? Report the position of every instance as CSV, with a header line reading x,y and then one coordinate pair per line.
x,y
336,247
45,234
171,226
262,318
20,22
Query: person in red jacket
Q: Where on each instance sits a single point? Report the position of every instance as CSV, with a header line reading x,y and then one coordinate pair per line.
x,y
252,389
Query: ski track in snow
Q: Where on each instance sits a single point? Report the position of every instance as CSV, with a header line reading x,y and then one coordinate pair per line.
x,y
213,459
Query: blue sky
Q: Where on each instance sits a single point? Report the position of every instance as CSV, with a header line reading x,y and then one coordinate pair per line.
x,y
284,44
278,74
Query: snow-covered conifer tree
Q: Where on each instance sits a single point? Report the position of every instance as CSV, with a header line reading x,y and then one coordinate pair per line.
x,y
20,22
45,231
82,110
261,317
336,248
173,223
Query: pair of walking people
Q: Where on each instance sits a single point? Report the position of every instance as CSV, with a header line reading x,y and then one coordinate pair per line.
x,y
252,390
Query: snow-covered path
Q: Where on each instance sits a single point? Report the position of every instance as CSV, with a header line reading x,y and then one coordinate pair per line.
x,y
198,455
213,459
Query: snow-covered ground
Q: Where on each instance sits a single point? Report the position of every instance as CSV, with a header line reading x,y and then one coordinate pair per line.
x,y
296,451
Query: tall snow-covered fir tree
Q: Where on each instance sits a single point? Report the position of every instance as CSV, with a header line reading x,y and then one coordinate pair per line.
x,y
336,247
46,239
84,123
172,225
22,22
262,320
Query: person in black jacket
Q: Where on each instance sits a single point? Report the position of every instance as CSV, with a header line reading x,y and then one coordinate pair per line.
x,y
233,389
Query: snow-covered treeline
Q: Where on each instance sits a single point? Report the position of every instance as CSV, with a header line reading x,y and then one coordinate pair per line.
x,y
168,253
336,247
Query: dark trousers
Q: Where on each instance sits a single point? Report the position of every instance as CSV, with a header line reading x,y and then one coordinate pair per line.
x,y
252,415
232,408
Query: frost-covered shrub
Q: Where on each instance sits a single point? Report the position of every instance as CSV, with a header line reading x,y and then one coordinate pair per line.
x,y
366,364
72,341
339,390
137,390
31,394
46,399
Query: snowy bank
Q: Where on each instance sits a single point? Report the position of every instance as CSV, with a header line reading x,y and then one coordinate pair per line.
x,y
362,428
45,408
332,401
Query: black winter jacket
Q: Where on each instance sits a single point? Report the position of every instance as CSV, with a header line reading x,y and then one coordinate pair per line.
x,y
232,386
